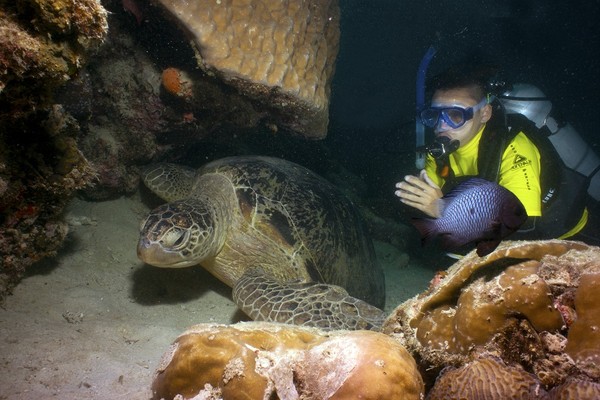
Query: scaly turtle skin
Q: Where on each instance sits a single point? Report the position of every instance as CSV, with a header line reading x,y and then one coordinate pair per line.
x,y
290,244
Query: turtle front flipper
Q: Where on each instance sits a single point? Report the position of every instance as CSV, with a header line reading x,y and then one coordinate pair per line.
x,y
168,181
309,304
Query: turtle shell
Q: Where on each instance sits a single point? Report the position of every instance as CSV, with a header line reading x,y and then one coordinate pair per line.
x,y
295,225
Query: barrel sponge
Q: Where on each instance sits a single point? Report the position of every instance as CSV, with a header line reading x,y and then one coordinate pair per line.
x,y
583,340
486,378
278,52
258,360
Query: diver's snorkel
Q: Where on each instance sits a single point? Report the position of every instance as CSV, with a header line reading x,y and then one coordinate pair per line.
x,y
420,129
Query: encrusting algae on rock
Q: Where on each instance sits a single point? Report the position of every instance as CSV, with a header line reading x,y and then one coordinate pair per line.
x,y
43,44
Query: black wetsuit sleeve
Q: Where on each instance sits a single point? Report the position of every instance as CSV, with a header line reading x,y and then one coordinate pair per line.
x,y
528,231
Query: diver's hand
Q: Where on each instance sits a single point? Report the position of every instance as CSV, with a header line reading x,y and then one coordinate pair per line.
x,y
421,193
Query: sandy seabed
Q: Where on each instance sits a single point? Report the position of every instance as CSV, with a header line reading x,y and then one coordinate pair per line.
x,y
93,322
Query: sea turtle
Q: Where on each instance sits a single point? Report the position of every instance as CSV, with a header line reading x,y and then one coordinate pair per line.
x,y
289,243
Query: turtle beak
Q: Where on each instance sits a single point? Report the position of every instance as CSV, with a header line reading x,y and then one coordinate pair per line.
x,y
154,253
142,248
148,252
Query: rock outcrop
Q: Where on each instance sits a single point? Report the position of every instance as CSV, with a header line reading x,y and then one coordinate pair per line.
x,y
281,54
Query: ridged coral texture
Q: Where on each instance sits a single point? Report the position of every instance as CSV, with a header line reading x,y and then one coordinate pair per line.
x,y
289,46
486,379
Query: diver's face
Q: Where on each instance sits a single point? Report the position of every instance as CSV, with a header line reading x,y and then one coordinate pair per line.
x,y
463,98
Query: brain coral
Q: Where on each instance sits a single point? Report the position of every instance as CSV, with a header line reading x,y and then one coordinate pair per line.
x,y
486,379
264,361
280,53
576,389
533,305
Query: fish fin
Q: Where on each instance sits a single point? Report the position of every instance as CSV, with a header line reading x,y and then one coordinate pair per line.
x,y
485,247
495,230
451,242
514,215
454,256
488,240
427,229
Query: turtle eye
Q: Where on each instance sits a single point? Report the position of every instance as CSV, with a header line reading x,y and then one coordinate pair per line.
x,y
175,238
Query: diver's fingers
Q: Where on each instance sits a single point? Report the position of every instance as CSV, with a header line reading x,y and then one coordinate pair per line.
x,y
419,194
425,178
408,190
411,198
420,185
408,179
418,204
429,205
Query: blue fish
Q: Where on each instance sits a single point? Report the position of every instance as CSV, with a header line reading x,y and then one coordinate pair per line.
x,y
475,211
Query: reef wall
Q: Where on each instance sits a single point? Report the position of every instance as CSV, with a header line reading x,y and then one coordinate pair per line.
x,y
43,44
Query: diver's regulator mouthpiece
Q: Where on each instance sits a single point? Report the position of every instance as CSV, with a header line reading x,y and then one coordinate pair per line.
x,y
441,146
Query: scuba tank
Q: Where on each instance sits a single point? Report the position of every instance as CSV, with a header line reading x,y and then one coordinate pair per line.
x,y
531,102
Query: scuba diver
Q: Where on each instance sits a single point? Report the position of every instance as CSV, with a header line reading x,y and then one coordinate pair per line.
x,y
506,135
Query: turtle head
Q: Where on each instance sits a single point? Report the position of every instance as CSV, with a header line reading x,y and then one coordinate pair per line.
x,y
179,234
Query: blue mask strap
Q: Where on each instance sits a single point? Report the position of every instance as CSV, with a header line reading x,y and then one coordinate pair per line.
x,y
420,129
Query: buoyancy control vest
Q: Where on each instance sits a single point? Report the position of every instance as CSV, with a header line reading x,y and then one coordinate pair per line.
x,y
564,191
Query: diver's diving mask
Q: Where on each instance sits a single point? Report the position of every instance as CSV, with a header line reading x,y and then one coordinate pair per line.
x,y
454,117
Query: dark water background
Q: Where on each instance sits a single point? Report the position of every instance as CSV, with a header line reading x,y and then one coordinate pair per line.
x,y
550,44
